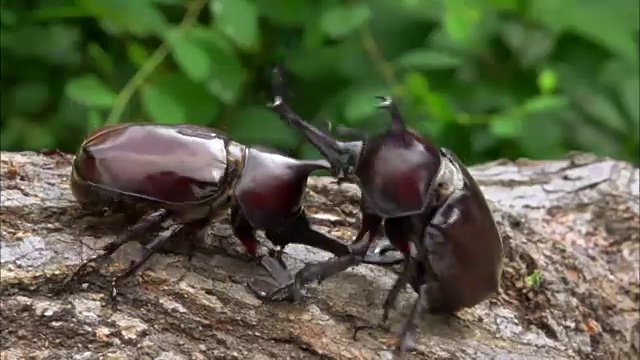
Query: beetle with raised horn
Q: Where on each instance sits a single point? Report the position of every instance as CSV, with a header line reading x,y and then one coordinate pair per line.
x,y
433,212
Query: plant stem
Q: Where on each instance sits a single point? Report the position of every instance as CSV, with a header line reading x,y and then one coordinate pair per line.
x,y
151,64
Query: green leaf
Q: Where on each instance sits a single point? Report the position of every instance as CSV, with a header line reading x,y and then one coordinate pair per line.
x,y
238,19
212,61
258,125
340,20
101,58
506,126
586,136
137,53
56,44
361,103
90,91
534,279
545,103
531,46
174,98
426,100
287,12
547,81
30,97
190,55
616,33
604,110
460,19
550,13
629,95
429,59
95,120
118,17
542,137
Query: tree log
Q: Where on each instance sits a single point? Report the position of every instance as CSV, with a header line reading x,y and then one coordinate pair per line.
x,y
570,286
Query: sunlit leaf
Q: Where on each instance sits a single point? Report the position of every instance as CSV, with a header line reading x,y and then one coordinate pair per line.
x,y
258,125
30,97
429,59
545,103
102,60
506,126
629,94
340,20
530,45
361,103
90,91
207,57
547,81
287,12
460,19
190,55
140,18
174,98
238,19
95,120
137,53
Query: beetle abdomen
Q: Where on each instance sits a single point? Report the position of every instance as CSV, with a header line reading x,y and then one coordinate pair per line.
x,y
171,164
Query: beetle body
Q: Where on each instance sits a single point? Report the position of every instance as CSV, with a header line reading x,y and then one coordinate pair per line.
x,y
185,176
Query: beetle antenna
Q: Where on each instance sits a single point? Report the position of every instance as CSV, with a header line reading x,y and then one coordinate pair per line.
x,y
387,103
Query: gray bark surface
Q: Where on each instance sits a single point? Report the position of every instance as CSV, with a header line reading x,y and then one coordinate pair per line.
x,y
573,220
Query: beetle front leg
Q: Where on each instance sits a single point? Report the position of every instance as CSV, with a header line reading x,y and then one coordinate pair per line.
x,y
301,232
323,270
143,226
243,230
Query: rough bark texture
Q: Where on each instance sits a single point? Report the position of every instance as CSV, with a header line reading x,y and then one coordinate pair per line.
x,y
576,221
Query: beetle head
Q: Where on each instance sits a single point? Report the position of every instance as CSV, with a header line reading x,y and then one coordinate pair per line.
x,y
397,168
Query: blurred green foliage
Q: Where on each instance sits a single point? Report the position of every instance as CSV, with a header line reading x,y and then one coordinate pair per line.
x,y
486,78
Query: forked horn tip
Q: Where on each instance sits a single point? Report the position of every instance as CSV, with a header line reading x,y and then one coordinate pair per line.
x,y
385,102
277,101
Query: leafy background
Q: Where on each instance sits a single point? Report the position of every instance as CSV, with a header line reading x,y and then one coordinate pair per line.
x,y
486,78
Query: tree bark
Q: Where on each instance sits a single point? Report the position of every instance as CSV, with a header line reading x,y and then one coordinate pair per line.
x,y
574,222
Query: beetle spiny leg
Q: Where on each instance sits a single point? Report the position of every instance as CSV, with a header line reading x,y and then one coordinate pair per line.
x,y
410,325
144,254
392,295
142,226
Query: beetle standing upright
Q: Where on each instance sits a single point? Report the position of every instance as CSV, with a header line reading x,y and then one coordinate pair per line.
x,y
183,177
433,212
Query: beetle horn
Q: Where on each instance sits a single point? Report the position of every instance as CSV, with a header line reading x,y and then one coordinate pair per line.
x,y
387,103
340,155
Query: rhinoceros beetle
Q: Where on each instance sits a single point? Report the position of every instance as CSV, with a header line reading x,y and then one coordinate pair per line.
x,y
433,211
185,176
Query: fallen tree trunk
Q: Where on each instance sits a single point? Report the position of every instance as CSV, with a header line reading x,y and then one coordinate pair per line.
x,y
570,286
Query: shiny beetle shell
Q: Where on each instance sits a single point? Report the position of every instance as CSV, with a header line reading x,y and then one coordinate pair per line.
x,y
172,165
395,172
464,246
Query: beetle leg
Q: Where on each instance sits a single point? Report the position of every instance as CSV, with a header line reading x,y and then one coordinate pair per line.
x,y
409,327
321,271
392,295
140,228
144,255
243,230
